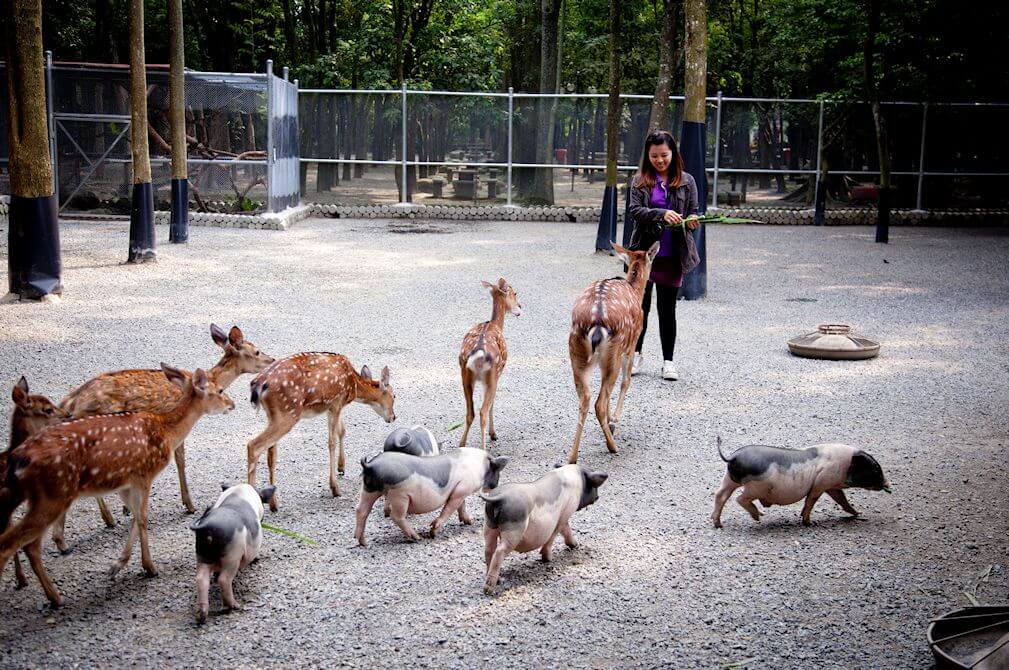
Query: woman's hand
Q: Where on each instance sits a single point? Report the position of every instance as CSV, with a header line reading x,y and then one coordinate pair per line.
x,y
672,218
693,222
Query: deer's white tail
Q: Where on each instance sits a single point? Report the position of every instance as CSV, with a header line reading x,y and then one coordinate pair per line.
x,y
479,362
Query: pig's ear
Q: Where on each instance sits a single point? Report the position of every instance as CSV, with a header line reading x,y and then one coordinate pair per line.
x,y
266,494
498,463
596,478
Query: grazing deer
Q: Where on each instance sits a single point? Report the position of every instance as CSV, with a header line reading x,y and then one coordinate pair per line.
x,y
308,384
31,414
483,357
94,456
150,391
605,324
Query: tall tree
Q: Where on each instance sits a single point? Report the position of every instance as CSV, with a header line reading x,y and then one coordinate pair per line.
x,y
692,139
142,204
551,43
608,216
33,237
669,55
179,228
882,142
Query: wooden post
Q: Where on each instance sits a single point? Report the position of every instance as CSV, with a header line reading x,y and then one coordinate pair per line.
x,y
142,204
33,236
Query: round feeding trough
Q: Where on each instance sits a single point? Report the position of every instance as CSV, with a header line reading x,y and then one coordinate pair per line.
x,y
972,637
835,342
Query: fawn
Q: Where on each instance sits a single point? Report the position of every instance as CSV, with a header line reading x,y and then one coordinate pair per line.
x,y
605,324
31,414
97,455
483,357
308,384
150,391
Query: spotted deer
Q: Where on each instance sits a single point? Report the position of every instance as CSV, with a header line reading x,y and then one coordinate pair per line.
x,y
305,385
483,356
150,391
93,456
605,324
31,414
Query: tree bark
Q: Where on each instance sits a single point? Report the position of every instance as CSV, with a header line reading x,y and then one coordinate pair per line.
x,y
659,116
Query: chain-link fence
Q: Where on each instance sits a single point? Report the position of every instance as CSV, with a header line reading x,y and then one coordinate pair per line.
x,y
226,133
532,149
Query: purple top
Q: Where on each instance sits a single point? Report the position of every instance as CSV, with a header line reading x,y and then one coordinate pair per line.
x,y
666,267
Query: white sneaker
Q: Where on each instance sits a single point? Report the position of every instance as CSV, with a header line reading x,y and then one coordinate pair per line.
x,y
639,361
669,372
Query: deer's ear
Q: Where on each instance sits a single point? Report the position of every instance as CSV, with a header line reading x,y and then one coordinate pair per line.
x,y
384,383
19,394
219,336
365,372
200,380
235,337
175,375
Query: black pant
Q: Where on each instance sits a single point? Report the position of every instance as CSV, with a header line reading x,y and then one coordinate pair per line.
x,y
665,305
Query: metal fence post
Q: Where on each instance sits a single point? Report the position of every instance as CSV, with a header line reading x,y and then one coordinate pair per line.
x,y
402,152
718,145
511,126
50,92
921,157
269,135
818,215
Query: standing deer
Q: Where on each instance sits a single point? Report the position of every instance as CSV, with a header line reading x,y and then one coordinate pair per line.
x,y
150,391
308,384
605,324
31,414
483,356
94,456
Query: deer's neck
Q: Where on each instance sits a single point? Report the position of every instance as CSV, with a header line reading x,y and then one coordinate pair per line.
x,y
498,312
224,372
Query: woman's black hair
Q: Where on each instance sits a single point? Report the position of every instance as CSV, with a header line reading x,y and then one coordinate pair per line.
x,y
646,176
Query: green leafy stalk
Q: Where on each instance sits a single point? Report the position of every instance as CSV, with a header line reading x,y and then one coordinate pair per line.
x,y
290,533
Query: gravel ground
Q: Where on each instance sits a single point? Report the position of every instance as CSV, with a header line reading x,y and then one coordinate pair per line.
x,y
653,584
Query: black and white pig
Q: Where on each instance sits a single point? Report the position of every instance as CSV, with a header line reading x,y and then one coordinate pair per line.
x,y
228,537
421,484
524,517
778,476
416,441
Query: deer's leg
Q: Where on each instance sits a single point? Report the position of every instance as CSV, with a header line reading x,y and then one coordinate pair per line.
x,y
581,374
278,426
467,392
180,464
336,432
625,383
34,552
610,372
364,506
488,401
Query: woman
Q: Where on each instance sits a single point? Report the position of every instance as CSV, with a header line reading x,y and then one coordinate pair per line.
x,y
662,194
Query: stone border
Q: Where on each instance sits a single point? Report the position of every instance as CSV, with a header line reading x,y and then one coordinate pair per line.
x,y
773,216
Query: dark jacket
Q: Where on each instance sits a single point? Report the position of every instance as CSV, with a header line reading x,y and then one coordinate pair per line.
x,y
648,220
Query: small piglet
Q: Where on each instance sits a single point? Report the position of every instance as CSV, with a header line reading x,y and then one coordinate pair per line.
x,y
421,484
416,441
524,517
228,536
777,476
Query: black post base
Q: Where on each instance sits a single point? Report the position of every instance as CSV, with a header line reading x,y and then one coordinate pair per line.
x,y
607,231
33,240
142,224
883,217
178,229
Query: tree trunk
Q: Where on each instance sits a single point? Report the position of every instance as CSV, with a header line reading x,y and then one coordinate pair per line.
x,y
882,143
659,116
142,207
550,57
179,228
33,258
